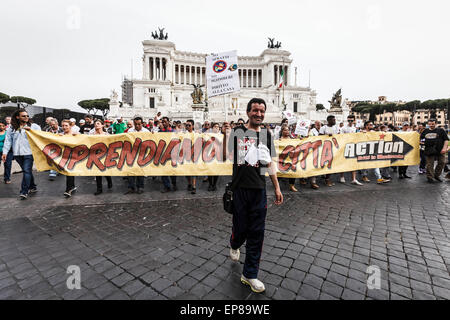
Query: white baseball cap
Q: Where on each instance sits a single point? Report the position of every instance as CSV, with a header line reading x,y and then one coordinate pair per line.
x,y
72,120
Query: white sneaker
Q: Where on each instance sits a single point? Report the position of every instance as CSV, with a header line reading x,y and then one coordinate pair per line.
x,y
357,183
342,180
235,254
256,285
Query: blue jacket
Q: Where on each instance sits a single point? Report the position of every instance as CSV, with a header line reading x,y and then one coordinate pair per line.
x,y
18,141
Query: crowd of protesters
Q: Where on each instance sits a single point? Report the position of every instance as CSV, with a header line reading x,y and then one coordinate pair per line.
x,y
252,144
14,146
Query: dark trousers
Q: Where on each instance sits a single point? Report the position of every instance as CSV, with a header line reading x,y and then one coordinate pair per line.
x,y
291,181
213,180
249,219
423,160
134,182
8,166
26,163
166,181
402,170
431,170
70,183
99,181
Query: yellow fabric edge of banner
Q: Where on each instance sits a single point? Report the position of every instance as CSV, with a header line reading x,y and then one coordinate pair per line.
x,y
38,140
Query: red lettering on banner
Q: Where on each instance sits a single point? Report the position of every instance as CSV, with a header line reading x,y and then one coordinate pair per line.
x,y
168,153
65,157
159,151
143,158
198,147
52,151
185,151
209,150
112,155
97,152
327,154
127,154
79,153
282,165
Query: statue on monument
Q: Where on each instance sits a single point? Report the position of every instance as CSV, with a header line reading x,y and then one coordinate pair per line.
x,y
160,35
114,96
336,101
271,44
197,94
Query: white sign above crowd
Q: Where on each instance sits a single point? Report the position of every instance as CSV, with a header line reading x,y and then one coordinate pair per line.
x,y
222,74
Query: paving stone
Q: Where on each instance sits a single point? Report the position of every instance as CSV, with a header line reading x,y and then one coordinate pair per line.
x,y
122,279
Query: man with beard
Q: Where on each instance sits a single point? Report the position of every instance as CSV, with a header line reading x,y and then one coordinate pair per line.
x,y
252,149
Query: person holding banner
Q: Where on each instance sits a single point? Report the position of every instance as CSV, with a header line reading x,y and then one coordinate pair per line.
x,y
253,149
213,179
330,129
16,139
286,134
136,183
350,128
70,180
315,130
191,180
99,130
368,127
165,179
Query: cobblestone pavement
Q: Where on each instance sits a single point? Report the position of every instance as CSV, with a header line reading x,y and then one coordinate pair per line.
x,y
318,245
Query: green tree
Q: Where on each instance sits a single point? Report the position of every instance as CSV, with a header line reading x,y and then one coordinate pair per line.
x,y
21,99
319,107
4,98
7,112
94,105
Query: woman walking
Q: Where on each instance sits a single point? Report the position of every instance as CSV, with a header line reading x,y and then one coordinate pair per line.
x,y
17,140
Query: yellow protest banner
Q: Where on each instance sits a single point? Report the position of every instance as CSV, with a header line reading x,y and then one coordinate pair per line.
x,y
167,154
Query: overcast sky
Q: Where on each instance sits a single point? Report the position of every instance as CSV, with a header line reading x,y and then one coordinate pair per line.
x,y
60,52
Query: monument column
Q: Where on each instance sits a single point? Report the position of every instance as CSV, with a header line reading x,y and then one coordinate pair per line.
x,y
195,75
185,74
154,68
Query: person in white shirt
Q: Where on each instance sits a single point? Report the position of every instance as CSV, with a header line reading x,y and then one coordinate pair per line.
x,y
350,128
314,132
73,126
315,129
329,129
136,183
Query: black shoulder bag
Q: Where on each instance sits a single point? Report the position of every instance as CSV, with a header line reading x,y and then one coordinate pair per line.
x,y
229,189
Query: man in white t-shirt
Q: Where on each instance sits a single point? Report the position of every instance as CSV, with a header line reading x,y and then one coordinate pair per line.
x,y
350,128
136,183
329,129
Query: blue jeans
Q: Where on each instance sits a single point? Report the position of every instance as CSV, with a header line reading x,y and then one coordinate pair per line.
x,y
26,163
134,182
8,166
166,181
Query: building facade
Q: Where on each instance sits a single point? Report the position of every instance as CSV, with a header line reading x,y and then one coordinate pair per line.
x,y
169,75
